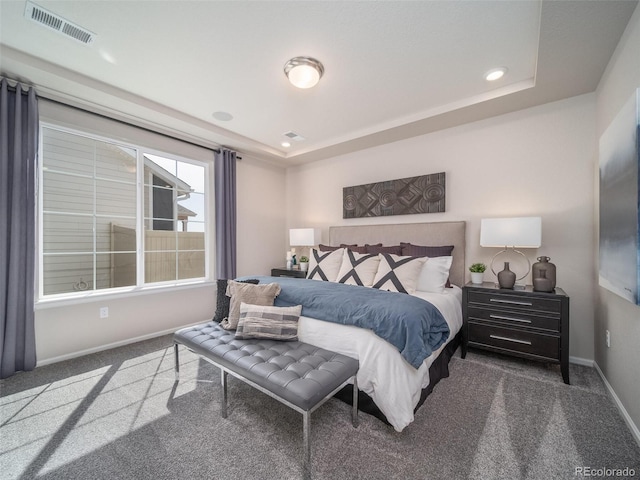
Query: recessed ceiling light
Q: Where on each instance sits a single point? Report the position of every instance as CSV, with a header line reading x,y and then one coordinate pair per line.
x,y
285,144
495,74
107,56
223,116
303,72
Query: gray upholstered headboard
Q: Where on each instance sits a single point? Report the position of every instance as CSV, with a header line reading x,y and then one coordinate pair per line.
x,y
431,234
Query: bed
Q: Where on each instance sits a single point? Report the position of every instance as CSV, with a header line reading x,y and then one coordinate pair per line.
x,y
392,388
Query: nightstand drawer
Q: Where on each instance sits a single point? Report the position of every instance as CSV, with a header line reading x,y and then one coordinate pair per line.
x,y
515,318
521,341
515,301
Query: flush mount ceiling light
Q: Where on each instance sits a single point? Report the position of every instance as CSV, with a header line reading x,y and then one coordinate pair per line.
x,y
303,72
495,74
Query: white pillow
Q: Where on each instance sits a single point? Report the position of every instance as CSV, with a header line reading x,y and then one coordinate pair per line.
x,y
434,274
397,273
325,265
358,268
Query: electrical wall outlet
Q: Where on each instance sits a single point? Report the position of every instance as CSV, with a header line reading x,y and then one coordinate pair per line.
x,y
104,312
608,339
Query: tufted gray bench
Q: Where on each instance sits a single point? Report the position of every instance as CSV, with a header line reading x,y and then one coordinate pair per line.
x,y
297,374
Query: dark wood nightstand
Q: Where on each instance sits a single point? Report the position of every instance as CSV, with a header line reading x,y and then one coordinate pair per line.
x,y
283,272
523,323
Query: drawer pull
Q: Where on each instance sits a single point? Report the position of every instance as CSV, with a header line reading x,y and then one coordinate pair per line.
x,y
511,302
496,337
502,317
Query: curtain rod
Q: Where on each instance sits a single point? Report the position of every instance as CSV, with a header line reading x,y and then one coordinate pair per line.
x,y
216,150
14,88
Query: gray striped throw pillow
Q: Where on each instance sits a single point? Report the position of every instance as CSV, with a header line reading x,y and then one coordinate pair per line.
x,y
273,323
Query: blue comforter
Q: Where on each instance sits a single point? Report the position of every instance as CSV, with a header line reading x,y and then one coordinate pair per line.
x,y
413,325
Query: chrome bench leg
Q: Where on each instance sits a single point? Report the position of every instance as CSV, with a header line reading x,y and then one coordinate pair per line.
x,y
177,361
354,409
223,406
306,455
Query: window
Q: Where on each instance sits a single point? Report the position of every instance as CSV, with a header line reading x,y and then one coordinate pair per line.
x,y
174,219
102,202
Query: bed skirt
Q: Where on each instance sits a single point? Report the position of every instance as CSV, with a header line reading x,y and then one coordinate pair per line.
x,y
438,370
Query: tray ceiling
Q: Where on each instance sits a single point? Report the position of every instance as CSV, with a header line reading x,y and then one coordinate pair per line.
x,y
214,70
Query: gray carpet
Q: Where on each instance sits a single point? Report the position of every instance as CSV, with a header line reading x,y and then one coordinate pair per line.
x,y
119,415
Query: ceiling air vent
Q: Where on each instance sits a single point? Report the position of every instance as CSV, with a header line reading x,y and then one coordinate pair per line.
x,y
55,22
294,136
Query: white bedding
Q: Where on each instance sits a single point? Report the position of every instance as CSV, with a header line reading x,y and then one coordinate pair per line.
x,y
392,383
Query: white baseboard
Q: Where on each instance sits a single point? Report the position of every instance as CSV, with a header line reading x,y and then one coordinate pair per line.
x,y
582,361
623,411
100,348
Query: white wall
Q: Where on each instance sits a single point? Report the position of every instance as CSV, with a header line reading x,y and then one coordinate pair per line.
x,y
620,362
68,330
261,217
532,162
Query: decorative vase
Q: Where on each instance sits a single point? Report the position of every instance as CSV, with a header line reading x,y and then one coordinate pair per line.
x,y
543,263
304,266
541,283
506,278
476,277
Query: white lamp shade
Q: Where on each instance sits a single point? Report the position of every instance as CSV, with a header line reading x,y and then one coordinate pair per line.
x,y
304,237
522,232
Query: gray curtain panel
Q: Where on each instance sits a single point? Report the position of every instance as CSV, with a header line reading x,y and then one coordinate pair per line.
x,y
225,185
18,167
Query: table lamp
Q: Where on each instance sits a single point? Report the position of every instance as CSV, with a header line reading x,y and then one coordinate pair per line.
x,y
511,233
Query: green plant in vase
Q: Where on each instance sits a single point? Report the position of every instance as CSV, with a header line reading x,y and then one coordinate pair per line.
x,y
477,272
304,263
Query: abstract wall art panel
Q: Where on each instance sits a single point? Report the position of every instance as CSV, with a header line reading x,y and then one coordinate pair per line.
x,y
619,203
423,194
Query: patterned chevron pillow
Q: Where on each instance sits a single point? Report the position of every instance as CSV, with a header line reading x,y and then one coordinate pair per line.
x,y
358,269
273,323
397,273
325,265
